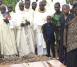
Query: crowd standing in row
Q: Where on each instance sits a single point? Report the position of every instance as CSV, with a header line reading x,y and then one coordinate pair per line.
x,y
34,29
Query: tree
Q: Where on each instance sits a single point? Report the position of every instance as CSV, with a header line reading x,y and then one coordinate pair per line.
x,y
12,2
71,1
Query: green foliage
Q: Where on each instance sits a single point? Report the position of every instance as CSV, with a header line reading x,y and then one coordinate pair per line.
x,y
71,1
10,2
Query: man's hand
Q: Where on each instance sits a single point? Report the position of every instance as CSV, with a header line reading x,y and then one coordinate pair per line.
x,y
6,21
22,24
27,23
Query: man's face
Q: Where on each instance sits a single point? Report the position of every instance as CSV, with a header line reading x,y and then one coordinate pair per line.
x,y
27,4
49,19
34,5
57,7
44,2
75,10
21,7
41,6
3,9
66,10
10,9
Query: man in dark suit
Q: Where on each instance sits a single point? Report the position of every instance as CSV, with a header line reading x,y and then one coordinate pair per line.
x,y
48,33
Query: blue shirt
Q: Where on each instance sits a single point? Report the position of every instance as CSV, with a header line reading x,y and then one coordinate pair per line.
x,y
48,31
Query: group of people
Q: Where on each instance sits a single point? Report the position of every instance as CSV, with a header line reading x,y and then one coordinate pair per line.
x,y
34,29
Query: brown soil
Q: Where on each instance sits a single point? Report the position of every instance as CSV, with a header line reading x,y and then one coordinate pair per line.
x,y
25,59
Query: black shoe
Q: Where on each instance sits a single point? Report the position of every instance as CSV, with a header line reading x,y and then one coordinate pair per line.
x,y
48,55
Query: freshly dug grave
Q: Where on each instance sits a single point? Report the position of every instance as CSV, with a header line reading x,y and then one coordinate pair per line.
x,y
25,59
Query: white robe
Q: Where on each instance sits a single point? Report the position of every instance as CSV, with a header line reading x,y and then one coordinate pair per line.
x,y
21,41
24,35
7,39
32,25
29,17
39,20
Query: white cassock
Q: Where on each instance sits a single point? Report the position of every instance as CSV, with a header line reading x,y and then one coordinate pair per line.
x,y
39,20
24,34
7,39
21,39
29,17
32,25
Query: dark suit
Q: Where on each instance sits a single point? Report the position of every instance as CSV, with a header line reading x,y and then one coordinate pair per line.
x,y
48,33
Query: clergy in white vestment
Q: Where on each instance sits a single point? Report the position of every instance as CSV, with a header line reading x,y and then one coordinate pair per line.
x,y
21,39
29,18
33,10
39,19
24,38
7,38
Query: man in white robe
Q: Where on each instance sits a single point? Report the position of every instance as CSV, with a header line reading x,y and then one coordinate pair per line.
x,y
24,34
29,18
33,10
7,38
20,19
39,19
